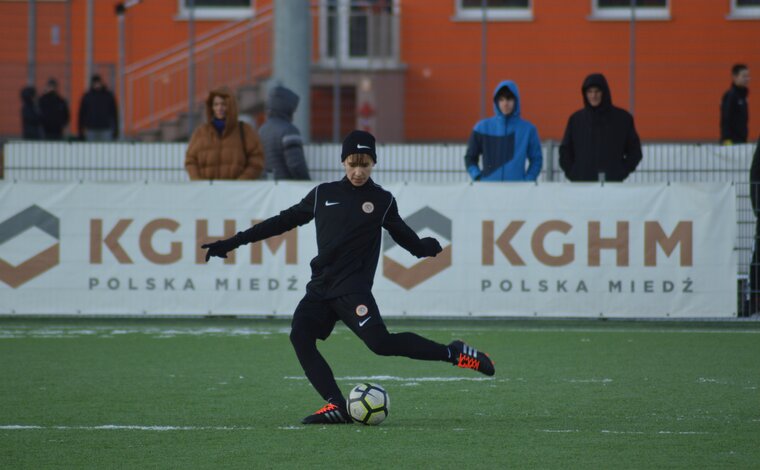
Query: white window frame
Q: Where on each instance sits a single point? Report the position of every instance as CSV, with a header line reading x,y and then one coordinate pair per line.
x,y
743,13
624,13
215,13
346,61
493,14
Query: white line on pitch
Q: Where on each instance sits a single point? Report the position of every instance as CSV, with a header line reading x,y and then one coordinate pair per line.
x,y
607,431
124,427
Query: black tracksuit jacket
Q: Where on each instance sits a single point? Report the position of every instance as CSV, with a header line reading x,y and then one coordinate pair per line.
x,y
348,220
734,115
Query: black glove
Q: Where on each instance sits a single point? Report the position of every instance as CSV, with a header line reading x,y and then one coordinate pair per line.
x,y
430,246
220,248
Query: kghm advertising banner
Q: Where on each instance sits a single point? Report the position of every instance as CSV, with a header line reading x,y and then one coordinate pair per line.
x,y
581,250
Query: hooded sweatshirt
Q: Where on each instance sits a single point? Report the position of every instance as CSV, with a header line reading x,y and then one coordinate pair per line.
x,y
599,139
98,110
283,146
505,142
227,155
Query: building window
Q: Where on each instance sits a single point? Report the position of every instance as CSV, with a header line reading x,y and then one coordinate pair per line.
x,y
217,9
504,10
624,10
365,32
745,9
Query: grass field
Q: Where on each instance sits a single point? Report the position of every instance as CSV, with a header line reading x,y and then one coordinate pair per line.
x,y
230,394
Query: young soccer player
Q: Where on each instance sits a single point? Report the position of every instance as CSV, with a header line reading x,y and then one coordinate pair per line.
x,y
349,215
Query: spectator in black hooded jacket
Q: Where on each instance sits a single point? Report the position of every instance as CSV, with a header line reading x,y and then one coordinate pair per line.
x,y
54,110
734,111
600,141
98,115
31,126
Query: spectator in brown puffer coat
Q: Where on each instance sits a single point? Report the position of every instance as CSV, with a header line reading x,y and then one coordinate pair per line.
x,y
224,148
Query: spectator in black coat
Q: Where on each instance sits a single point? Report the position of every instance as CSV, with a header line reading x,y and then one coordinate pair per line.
x,y
54,110
98,115
600,141
31,126
734,111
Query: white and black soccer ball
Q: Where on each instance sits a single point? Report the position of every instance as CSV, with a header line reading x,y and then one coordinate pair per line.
x,y
368,403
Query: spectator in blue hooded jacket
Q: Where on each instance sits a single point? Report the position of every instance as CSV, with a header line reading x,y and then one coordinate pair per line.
x,y
509,144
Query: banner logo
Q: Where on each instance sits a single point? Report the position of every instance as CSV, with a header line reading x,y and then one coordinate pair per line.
x,y
33,216
426,268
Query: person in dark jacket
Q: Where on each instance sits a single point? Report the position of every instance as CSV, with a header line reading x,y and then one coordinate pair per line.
x,y
734,110
754,267
31,124
54,110
98,114
600,141
349,216
283,146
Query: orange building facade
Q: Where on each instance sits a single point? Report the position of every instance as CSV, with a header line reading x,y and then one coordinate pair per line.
x,y
408,70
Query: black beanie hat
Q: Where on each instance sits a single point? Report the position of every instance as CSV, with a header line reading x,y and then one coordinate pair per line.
x,y
359,142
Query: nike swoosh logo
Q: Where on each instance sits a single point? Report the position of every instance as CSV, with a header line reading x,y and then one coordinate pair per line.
x,y
361,323
328,203
360,146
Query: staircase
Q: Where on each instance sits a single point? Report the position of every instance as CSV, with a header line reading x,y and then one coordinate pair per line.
x,y
237,55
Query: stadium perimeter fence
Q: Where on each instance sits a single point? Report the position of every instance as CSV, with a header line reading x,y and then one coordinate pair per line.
x,y
411,163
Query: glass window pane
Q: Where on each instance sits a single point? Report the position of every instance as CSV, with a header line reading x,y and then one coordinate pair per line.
x,y
357,31
627,3
332,12
496,3
220,3
748,3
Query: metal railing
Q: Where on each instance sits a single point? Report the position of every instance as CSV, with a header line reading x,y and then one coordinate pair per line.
x,y
234,54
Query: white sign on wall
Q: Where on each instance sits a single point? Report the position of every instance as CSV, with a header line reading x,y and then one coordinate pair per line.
x,y
618,250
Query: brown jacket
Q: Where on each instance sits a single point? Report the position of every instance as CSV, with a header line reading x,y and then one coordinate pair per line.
x,y
213,157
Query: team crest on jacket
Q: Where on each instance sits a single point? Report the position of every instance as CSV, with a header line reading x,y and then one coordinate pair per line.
x,y
361,310
368,207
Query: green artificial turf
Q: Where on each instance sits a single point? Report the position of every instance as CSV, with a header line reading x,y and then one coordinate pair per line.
x,y
230,394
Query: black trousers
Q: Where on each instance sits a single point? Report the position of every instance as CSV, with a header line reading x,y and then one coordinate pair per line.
x,y
315,319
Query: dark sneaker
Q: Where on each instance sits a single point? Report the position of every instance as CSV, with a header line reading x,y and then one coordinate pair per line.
x,y
328,414
467,357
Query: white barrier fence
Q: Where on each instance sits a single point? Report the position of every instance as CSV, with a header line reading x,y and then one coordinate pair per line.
x,y
434,163
431,163
554,249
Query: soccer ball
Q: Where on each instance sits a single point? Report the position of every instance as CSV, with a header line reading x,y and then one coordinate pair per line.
x,y
368,403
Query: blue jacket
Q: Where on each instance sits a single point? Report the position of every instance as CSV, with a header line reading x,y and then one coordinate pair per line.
x,y
505,143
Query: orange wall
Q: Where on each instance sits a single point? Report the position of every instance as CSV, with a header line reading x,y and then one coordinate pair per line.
x,y
682,66
151,27
682,69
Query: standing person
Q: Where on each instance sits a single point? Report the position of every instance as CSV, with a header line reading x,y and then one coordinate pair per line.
x,y
224,148
734,110
31,124
754,267
54,111
600,142
283,146
349,216
506,142
98,114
